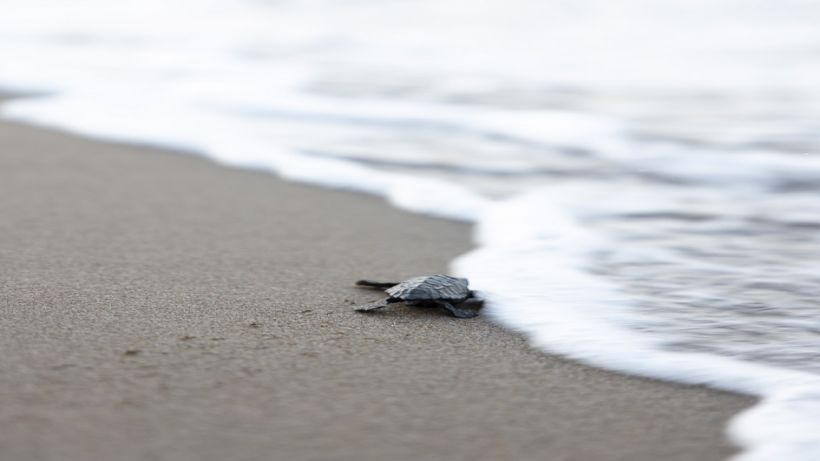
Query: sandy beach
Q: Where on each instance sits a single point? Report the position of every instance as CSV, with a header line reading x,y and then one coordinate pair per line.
x,y
157,306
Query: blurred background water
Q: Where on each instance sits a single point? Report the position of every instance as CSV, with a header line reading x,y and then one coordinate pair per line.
x,y
664,153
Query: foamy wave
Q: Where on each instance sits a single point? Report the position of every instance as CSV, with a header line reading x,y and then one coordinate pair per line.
x,y
533,268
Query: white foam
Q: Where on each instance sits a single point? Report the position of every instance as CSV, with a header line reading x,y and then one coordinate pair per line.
x,y
532,268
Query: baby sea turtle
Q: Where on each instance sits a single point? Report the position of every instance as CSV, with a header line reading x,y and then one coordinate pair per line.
x,y
450,293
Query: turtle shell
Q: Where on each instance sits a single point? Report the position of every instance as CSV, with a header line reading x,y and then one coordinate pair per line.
x,y
431,288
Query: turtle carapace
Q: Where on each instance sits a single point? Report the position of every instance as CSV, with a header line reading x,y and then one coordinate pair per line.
x,y
449,293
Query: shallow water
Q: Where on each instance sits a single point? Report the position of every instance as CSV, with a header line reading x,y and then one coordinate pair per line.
x,y
644,175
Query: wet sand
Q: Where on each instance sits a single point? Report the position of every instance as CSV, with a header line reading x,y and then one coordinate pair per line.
x,y
156,306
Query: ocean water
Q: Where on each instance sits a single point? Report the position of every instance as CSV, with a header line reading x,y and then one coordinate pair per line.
x,y
644,177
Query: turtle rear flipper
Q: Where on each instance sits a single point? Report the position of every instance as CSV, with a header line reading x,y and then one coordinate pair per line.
x,y
376,305
456,311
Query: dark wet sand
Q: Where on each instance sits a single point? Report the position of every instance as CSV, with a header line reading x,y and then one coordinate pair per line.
x,y
160,307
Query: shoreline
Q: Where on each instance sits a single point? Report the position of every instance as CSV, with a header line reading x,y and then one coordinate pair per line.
x,y
162,305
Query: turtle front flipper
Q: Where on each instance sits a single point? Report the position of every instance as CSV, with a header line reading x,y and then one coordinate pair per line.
x,y
376,305
472,303
373,284
457,312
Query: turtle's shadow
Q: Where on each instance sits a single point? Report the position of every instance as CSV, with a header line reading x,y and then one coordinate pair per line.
x,y
410,311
